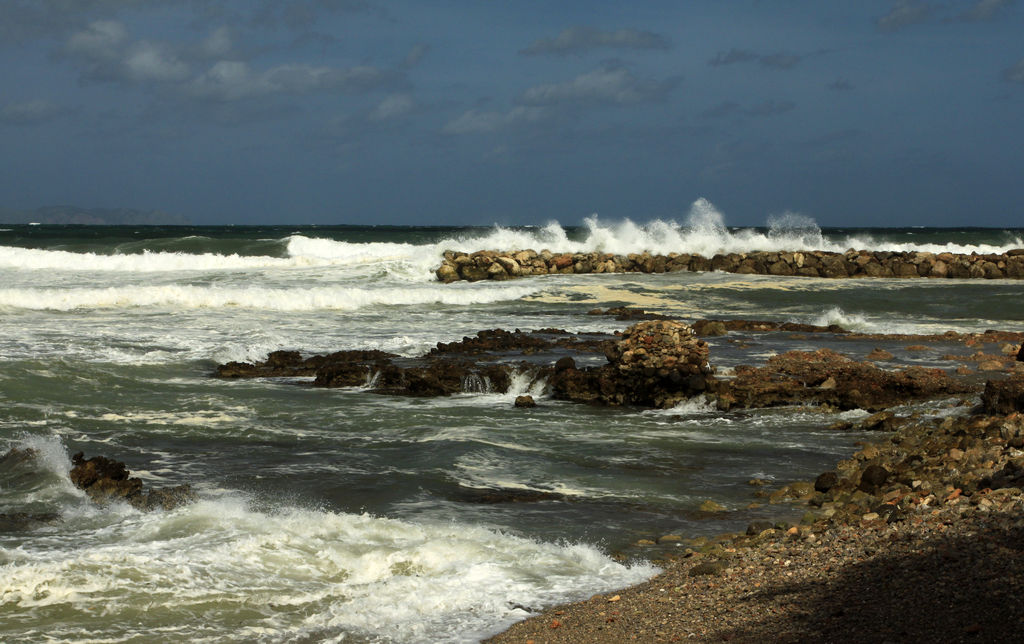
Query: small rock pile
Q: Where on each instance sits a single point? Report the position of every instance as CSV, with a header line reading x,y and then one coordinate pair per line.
x,y
659,347
656,363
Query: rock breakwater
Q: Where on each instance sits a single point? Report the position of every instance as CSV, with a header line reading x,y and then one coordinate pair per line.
x,y
504,265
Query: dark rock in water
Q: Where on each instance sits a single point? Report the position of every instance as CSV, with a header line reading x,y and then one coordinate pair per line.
x,y
1004,396
825,376
86,473
17,455
493,340
881,421
18,521
291,364
1020,354
106,480
564,363
872,478
826,481
709,328
525,401
657,363
505,495
757,527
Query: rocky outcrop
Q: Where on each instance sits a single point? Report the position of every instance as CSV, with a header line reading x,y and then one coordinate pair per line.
x,y
291,364
106,480
656,363
827,377
496,265
1004,396
479,364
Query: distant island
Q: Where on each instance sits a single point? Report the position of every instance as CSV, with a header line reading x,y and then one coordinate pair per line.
x,y
91,216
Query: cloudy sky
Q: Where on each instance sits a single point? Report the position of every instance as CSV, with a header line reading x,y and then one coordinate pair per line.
x,y
875,112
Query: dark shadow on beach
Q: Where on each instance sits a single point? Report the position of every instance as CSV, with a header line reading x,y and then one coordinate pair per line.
x,y
944,589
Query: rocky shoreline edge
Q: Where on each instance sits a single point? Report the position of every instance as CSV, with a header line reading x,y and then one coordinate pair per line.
x,y
919,536
505,265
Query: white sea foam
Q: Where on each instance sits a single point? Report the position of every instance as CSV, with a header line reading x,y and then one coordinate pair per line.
x,y
294,574
703,231
863,324
334,298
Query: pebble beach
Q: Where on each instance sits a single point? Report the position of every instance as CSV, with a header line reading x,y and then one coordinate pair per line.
x,y
938,558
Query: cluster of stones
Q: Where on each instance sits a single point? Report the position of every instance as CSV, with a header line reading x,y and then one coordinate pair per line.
x,y
976,462
498,265
966,464
655,363
659,347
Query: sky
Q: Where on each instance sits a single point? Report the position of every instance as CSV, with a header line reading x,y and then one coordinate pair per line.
x,y
867,113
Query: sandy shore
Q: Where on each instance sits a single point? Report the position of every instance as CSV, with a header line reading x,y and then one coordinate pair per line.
x,y
939,558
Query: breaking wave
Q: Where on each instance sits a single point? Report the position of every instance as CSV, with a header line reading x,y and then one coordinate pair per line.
x,y
281,574
703,231
332,298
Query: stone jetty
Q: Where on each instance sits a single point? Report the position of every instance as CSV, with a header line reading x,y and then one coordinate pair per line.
x,y
504,265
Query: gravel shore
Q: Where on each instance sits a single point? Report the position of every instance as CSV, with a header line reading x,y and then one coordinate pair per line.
x,y
933,554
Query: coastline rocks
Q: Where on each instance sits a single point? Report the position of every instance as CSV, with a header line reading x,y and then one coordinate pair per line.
x,y
1004,396
827,377
504,265
106,480
657,363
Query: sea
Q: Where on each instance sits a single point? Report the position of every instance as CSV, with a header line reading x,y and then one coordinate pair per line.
x,y
340,515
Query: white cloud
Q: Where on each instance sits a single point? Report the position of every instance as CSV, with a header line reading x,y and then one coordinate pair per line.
x,y
392,107
477,122
29,112
147,61
579,39
100,41
416,54
217,44
904,14
984,10
1015,74
231,80
615,85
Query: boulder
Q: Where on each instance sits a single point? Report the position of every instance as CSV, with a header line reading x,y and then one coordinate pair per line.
x,y
525,402
826,481
106,480
1004,396
872,478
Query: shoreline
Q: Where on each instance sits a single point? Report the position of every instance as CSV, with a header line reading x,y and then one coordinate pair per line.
x,y
505,265
935,502
919,536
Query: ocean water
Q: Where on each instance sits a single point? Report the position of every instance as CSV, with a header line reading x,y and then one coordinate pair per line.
x,y
340,515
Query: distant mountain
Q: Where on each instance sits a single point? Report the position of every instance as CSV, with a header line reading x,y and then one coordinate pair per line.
x,y
88,216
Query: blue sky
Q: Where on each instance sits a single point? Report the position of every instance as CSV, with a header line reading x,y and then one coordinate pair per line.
x,y
869,113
